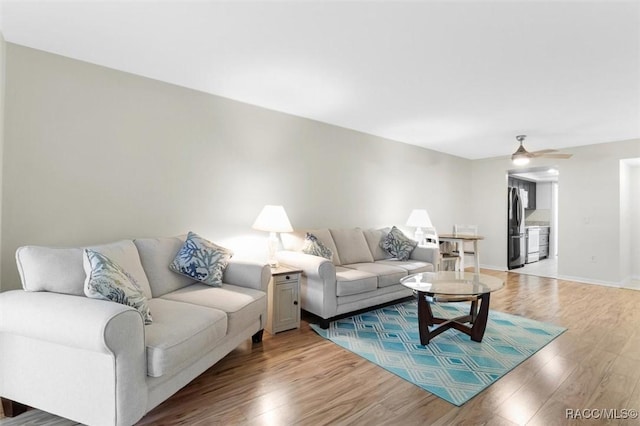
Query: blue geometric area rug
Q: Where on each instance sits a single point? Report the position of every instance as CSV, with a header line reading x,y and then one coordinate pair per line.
x,y
451,366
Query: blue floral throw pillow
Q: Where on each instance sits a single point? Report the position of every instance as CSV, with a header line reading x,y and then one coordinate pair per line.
x,y
312,245
106,280
397,244
201,260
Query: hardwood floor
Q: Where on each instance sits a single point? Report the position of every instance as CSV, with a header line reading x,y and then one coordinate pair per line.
x,y
297,377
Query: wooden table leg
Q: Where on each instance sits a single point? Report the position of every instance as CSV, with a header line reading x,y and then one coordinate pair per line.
x,y
477,318
425,318
473,311
480,324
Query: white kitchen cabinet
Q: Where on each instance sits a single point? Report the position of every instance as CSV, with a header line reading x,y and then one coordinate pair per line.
x,y
543,195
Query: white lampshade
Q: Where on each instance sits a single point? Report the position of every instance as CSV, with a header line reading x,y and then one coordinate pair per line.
x,y
420,219
273,219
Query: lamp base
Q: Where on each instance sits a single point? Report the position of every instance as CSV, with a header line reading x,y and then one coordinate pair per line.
x,y
272,245
419,237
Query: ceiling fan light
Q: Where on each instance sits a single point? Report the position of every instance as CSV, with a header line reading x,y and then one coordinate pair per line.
x,y
519,160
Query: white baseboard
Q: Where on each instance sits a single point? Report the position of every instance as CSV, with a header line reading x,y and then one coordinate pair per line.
x,y
590,281
494,268
627,283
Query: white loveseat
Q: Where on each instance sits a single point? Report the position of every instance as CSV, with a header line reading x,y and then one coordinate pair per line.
x,y
360,274
95,361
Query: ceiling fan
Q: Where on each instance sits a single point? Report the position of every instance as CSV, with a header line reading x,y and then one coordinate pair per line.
x,y
522,156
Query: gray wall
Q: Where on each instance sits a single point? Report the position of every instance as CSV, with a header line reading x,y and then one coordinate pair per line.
x,y
94,155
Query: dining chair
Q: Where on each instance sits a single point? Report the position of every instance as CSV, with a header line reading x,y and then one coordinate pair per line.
x,y
467,246
449,261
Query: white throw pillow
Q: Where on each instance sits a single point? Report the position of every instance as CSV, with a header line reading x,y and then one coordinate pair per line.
x,y
106,280
398,245
125,253
312,245
201,260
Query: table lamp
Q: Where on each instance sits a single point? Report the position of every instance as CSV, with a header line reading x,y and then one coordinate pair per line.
x,y
420,219
272,219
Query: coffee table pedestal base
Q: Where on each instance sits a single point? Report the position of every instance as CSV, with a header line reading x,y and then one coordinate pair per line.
x,y
477,319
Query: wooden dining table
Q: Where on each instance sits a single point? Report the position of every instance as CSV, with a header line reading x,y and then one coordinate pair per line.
x,y
459,240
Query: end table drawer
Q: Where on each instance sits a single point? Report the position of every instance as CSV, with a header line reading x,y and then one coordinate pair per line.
x,y
286,278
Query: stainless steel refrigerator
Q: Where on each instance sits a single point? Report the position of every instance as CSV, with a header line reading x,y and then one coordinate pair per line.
x,y
517,247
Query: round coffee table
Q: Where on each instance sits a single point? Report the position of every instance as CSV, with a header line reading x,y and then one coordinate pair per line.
x,y
452,286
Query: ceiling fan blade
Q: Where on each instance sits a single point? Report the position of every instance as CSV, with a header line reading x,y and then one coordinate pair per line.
x,y
558,155
544,151
522,154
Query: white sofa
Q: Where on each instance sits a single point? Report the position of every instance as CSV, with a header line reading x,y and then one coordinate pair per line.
x,y
94,361
360,274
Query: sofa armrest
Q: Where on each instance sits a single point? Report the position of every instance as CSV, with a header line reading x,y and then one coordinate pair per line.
x,y
318,289
68,320
430,254
47,336
312,266
249,274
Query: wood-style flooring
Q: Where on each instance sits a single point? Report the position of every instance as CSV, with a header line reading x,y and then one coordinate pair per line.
x,y
297,377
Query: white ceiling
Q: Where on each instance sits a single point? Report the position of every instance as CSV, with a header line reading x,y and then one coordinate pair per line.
x,y
461,77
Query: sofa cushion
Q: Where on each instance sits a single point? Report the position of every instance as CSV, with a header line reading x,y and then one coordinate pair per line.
x,y
60,270
313,246
398,245
106,280
412,266
125,254
295,241
53,269
374,239
201,260
387,275
180,332
351,281
373,298
325,237
156,254
243,306
352,246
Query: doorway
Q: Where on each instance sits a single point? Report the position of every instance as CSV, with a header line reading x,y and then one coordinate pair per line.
x,y
541,220
630,223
